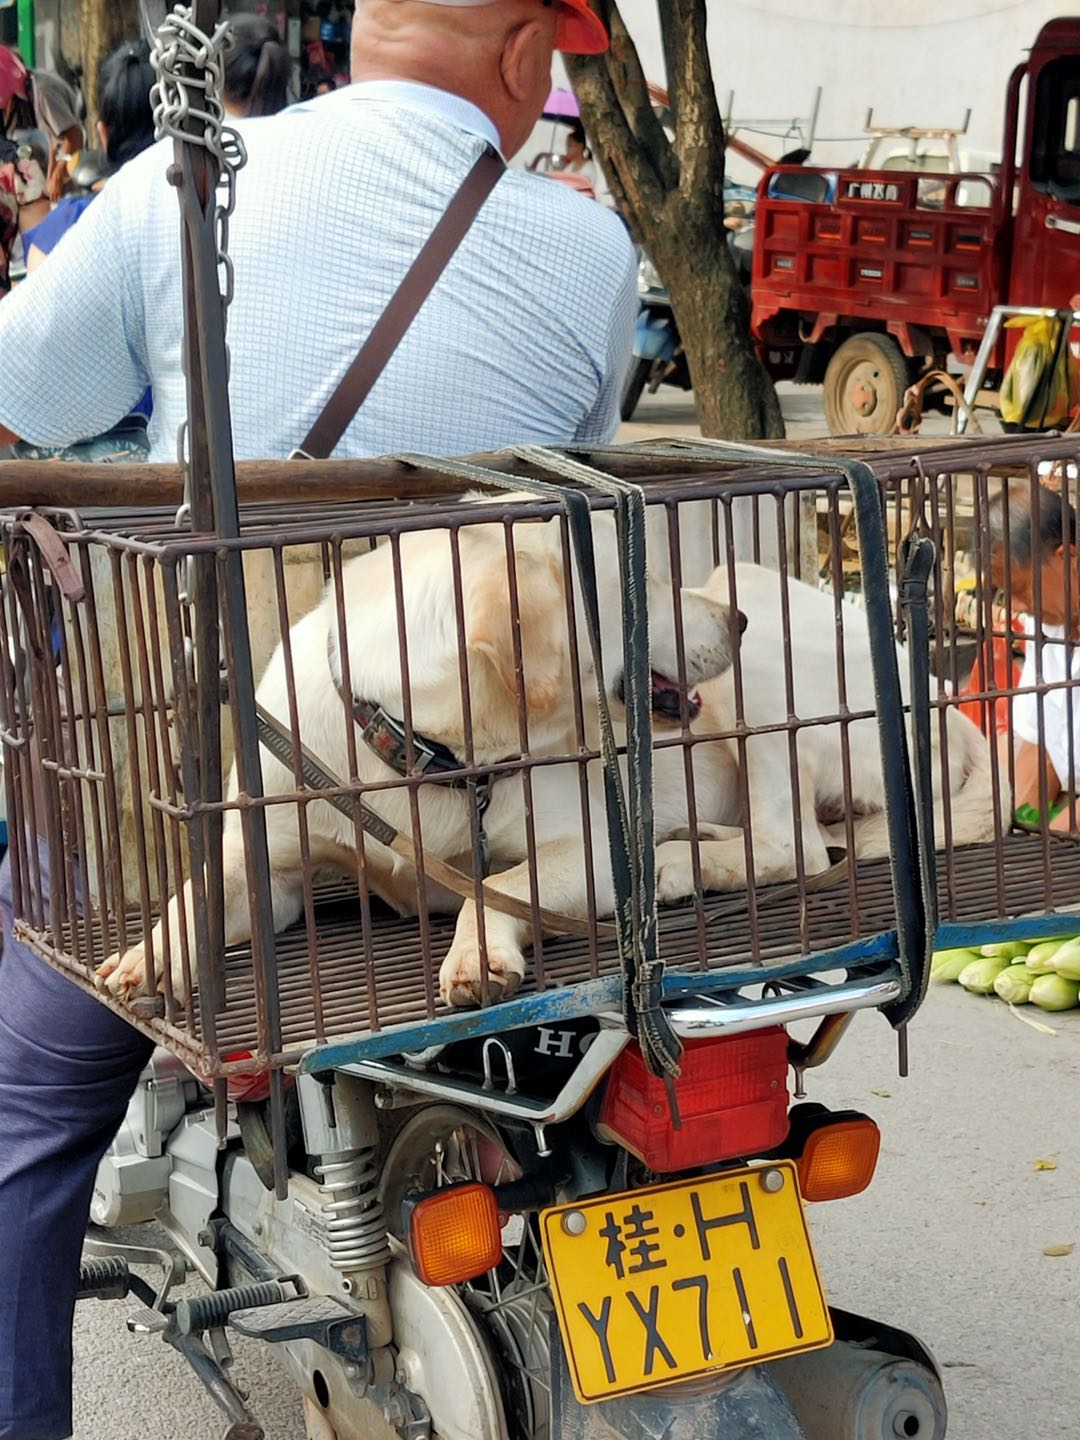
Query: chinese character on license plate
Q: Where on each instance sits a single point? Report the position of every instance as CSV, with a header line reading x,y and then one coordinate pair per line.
x,y
659,1285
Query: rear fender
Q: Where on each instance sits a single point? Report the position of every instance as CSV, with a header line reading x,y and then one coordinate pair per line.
x,y
742,1403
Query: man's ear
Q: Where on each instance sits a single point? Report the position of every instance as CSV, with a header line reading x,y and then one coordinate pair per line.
x,y
523,55
542,621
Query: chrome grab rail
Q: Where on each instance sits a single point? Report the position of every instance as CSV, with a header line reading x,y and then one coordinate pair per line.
x,y
694,1019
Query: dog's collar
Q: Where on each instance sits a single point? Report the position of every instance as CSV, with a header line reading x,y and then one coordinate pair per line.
x,y
385,735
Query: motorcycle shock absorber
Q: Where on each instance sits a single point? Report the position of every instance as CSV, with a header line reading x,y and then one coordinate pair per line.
x,y
341,1136
355,1227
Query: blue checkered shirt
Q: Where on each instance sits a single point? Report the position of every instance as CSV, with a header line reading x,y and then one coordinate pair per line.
x,y
526,337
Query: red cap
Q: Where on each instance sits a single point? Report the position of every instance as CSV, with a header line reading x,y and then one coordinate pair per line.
x,y
580,30
14,76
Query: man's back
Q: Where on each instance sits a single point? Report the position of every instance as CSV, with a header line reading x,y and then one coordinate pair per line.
x,y
525,338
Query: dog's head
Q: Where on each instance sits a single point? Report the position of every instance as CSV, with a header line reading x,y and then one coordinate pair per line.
x,y
692,635
494,607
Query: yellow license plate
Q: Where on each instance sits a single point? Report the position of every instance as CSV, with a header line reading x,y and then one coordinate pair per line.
x,y
660,1285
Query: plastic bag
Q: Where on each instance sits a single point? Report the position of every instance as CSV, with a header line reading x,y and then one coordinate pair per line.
x,y
1042,382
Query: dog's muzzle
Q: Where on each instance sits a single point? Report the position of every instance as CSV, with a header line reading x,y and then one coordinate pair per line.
x,y
670,700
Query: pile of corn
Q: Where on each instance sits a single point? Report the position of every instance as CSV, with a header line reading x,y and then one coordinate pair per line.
x,y
1037,972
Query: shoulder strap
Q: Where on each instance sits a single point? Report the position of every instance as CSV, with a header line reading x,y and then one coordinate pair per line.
x,y
389,330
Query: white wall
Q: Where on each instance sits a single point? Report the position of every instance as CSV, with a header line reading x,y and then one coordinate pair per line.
x,y
917,62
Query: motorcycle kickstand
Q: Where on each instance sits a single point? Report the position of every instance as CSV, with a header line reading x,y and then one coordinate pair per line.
x,y
242,1423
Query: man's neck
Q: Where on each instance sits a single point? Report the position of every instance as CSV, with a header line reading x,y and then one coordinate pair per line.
x,y
467,110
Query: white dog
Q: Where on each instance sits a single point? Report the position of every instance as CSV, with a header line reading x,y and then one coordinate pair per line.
x,y
502,669
822,802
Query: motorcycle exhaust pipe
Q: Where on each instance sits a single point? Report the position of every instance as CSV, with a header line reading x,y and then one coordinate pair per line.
x,y
850,1393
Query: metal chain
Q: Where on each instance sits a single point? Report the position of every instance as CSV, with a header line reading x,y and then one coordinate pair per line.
x,y
188,106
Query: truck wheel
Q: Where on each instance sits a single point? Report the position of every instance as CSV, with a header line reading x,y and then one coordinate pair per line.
x,y
864,385
636,381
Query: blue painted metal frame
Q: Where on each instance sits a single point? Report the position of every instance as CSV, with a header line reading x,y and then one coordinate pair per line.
x,y
590,997
987,932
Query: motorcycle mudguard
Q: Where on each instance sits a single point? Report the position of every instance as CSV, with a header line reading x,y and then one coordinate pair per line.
x,y
747,1402
655,337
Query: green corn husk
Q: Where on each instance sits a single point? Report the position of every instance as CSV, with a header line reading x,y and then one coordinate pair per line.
x,y
1040,958
1007,949
1054,992
979,976
1014,984
1066,962
946,965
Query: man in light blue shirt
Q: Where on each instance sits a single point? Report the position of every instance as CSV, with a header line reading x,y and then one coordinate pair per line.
x,y
525,338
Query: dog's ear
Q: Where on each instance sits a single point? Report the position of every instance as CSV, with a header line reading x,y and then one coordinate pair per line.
x,y
541,606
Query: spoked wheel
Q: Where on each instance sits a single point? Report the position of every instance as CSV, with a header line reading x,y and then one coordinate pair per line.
x,y
444,1145
864,385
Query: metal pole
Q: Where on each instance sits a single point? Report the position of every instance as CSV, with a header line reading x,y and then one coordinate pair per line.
x,y
998,315
214,507
814,114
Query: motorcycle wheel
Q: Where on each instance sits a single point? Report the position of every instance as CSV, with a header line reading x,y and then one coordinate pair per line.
x,y
636,381
445,1145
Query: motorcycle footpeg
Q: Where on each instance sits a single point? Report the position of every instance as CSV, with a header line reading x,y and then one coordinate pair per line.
x,y
145,1320
315,1317
106,1278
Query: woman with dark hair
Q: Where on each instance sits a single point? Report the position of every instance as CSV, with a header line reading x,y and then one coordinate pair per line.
x,y
126,129
257,68
126,126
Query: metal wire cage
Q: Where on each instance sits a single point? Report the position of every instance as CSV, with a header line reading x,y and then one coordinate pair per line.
x,y
432,786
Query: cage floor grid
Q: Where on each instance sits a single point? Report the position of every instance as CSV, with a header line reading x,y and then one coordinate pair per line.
x,y
1025,876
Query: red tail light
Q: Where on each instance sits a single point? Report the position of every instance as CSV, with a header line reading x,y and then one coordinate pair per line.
x,y
732,1098
249,1088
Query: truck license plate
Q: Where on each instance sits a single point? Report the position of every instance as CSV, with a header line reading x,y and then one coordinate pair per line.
x,y
660,1285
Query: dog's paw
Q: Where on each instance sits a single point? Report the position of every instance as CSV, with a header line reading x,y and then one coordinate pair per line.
x,y
674,871
721,865
124,975
460,980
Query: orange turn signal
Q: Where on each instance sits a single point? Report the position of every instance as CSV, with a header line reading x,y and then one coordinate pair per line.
x,y
455,1234
839,1159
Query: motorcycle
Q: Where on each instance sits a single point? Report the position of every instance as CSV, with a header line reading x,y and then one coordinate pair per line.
x,y
659,358
523,1237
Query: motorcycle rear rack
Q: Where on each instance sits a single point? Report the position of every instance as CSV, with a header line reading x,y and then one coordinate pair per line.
x,y
405,1079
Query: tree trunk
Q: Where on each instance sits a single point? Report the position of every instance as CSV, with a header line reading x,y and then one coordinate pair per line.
x,y
103,25
670,190
736,399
